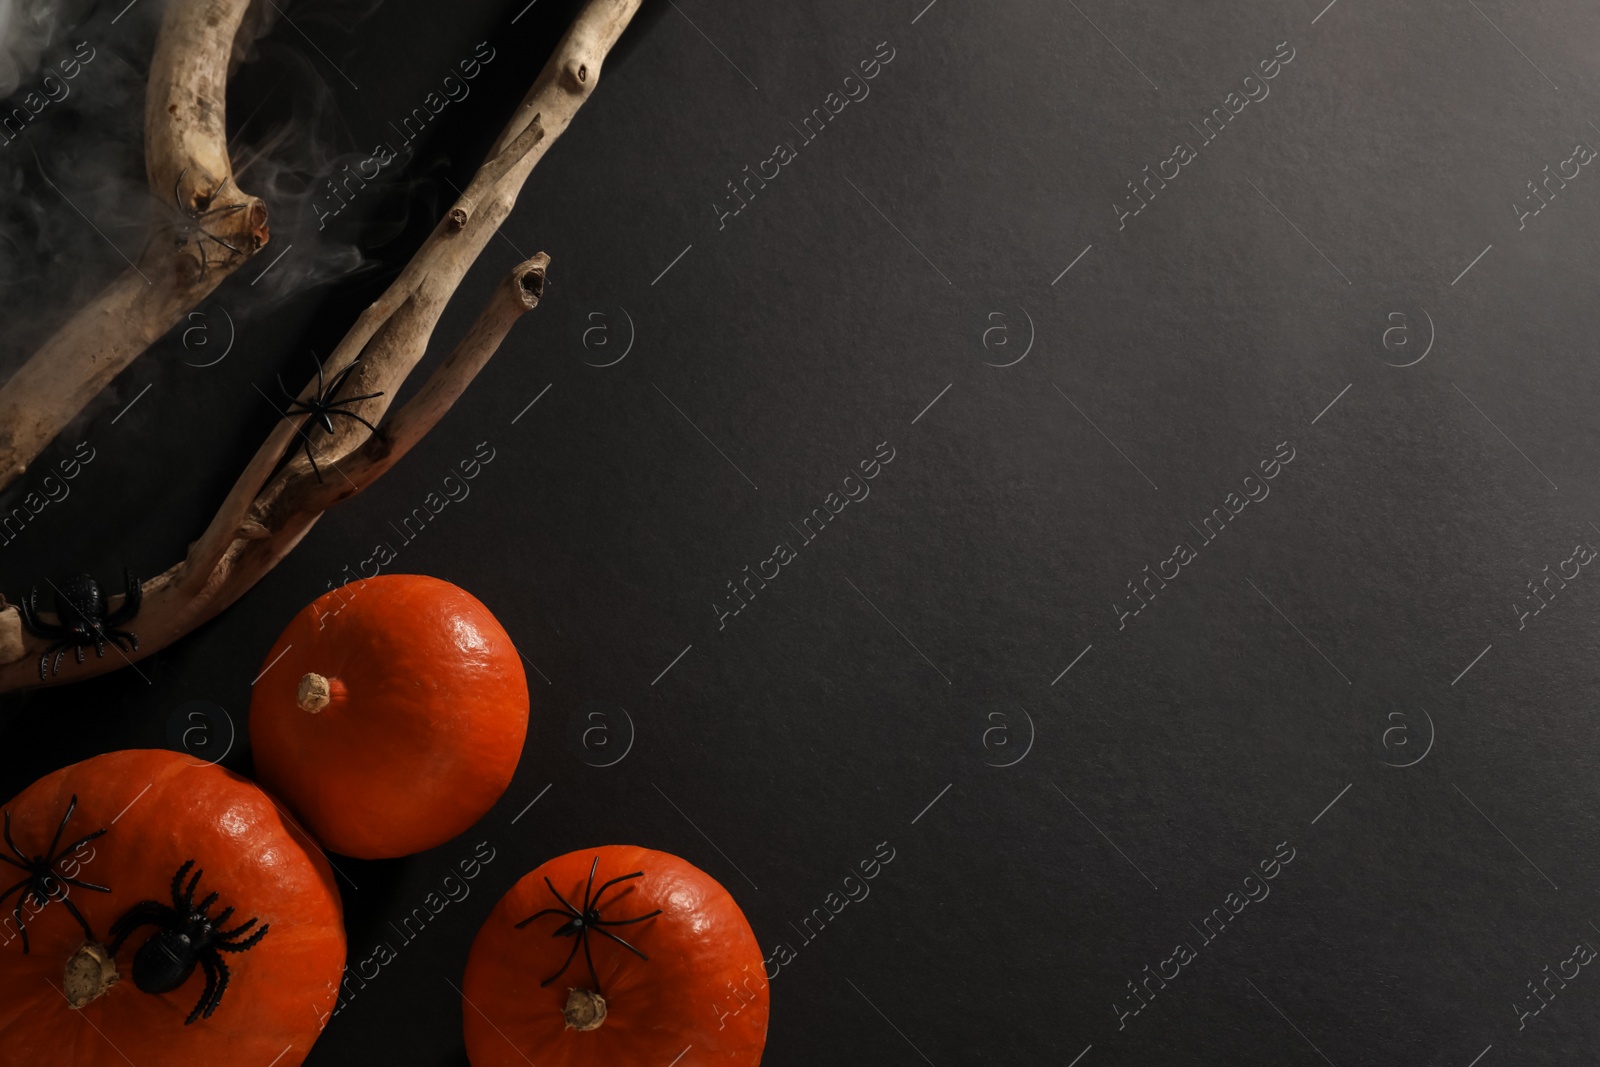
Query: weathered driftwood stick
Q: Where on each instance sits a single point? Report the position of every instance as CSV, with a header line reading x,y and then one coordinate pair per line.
x,y
277,500
517,294
293,502
391,335
209,230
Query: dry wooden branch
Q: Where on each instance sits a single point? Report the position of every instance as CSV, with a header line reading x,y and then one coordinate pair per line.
x,y
518,293
209,231
276,501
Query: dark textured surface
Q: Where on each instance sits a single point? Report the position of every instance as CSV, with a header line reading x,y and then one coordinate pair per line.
x,y
921,639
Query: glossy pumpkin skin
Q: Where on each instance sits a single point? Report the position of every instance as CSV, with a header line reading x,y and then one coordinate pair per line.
x,y
704,984
425,725
282,990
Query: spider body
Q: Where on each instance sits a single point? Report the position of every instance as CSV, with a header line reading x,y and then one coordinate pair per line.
x,y
323,405
43,883
189,222
82,619
187,936
581,921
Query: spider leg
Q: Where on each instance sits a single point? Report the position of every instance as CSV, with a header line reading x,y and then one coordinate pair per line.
x,y
200,216
188,892
221,987
576,913
564,966
588,889
322,419
22,924
177,187
79,843
84,885
248,943
77,650
618,940
284,389
133,596
179,900
23,866
626,922
72,806
351,415
595,978
305,442
213,993
213,237
16,887
520,925
216,1001
222,917
29,607
76,914
338,379
620,878
61,647
322,390
144,913
99,644
119,636
205,905
20,854
44,660
616,880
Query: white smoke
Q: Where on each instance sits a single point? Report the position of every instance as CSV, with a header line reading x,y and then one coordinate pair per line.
x,y
75,206
27,28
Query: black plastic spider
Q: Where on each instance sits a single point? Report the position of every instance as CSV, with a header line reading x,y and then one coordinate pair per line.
x,y
189,222
82,619
186,936
322,406
44,883
581,922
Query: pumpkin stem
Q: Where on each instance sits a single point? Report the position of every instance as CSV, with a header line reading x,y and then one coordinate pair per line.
x,y
584,1010
314,694
90,974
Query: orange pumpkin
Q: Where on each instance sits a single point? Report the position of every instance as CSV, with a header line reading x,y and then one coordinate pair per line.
x,y
139,817
390,715
615,955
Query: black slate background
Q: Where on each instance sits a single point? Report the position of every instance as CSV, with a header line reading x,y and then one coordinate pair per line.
x,y
922,638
